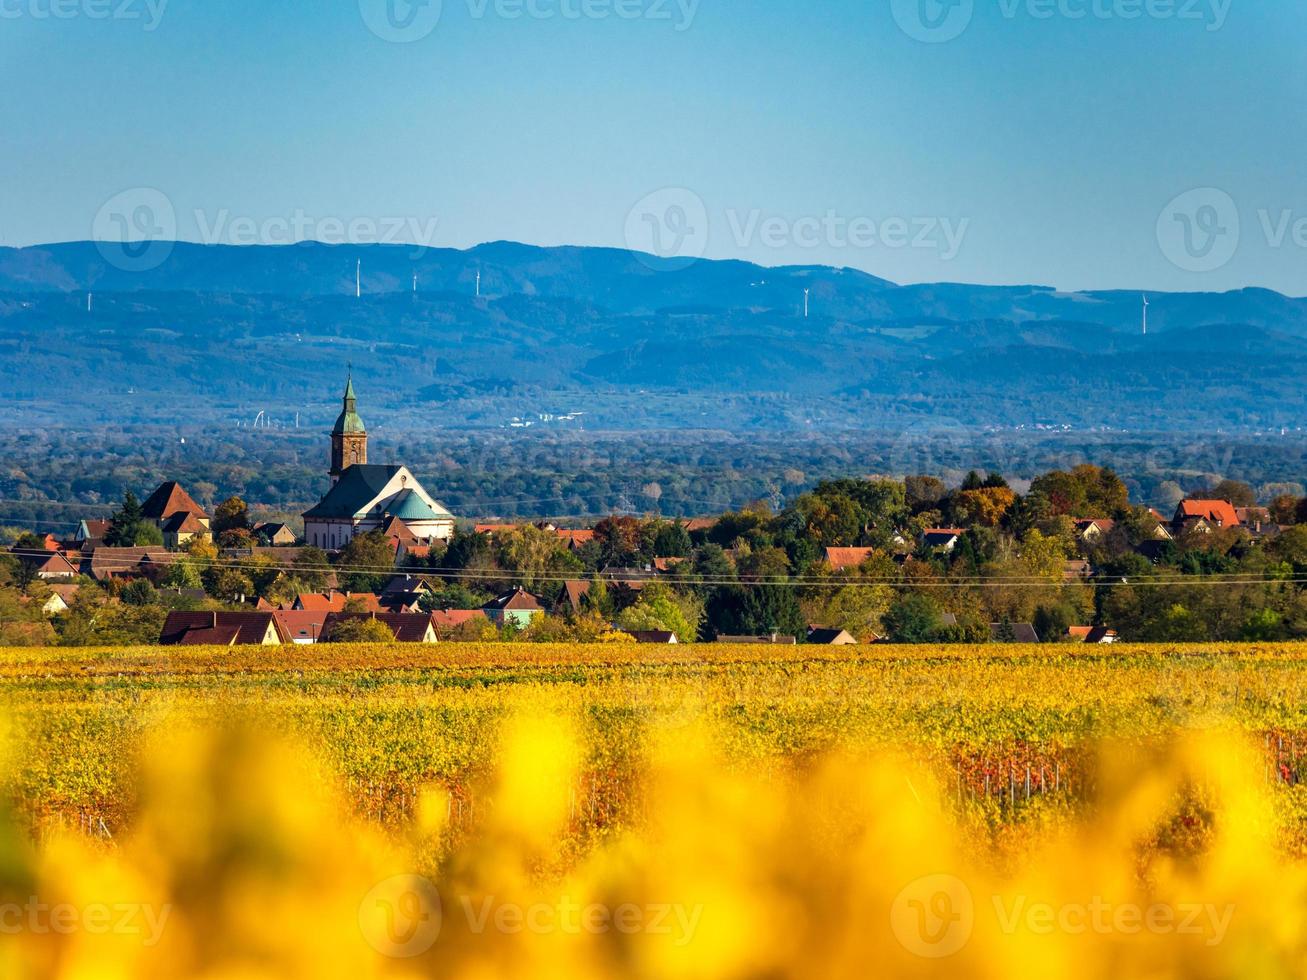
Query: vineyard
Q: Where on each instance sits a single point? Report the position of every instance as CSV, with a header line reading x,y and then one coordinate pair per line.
x,y
783,792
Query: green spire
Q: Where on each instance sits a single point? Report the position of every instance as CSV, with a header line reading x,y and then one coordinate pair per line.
x,y
349,422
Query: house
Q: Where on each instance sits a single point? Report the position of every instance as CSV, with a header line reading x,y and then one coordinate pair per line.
x,y
301,626
402,537
700,524
943,539
407,627
1076,570
1253,515
517,606
46,565
664,637
822,636
336,602
493,529
1092,634
575,540
1013,633
149,562
451,619
90,534
1091,531
409,583
172,510
574,591
775,639
61,598
1218,513
275,534
224,629
401,602
841,559
665,565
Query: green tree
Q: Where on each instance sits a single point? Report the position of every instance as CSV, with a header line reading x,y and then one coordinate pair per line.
x,y
233,514
361,630
913,618
367,562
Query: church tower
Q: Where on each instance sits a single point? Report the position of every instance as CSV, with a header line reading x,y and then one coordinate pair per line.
x,y
349,439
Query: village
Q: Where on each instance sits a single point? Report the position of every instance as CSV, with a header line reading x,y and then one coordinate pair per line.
x,y
856,561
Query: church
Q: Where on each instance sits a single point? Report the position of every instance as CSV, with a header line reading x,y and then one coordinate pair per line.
x,y
369,497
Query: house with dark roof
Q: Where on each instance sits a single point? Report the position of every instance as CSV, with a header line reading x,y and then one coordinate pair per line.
x,y
275,534
223,629
407,627
91,533
1092,634
149,562
943,539
664,637
822,636
1013,633
172,510
516,606
369,497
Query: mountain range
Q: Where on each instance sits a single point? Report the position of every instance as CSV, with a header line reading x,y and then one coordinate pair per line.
x,y
630,340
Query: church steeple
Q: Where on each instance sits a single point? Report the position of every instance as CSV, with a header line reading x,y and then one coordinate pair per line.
x,y
349,437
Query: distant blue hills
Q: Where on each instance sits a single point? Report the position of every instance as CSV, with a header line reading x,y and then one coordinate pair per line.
x,y
603,325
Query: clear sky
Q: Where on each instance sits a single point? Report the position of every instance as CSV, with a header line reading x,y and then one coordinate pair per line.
x,y
1046,142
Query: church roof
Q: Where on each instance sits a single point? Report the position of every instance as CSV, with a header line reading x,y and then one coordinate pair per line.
x,y
364,486
409,506
358,487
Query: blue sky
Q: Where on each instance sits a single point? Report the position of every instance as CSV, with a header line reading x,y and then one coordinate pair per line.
x,y
1034,146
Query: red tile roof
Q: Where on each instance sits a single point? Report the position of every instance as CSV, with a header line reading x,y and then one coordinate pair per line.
x,y
170,499
1217,511
335,601
452,618
842,558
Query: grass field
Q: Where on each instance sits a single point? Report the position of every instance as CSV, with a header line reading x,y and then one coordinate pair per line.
x,y
806,790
